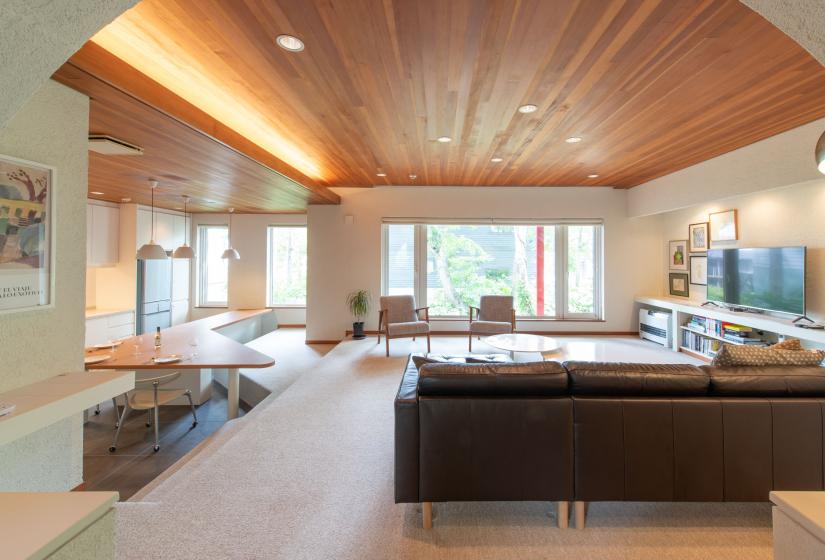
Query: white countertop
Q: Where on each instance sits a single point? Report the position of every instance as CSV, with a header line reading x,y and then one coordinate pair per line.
x,y
806,508
34,525
96,312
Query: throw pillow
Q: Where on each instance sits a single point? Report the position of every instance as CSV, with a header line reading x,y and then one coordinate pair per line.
x,y
731,355
724,358
790,344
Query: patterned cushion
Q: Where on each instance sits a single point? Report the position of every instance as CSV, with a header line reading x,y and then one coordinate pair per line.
x,y
490,327
733,355
790,344
410,328
496,308
724,358
398,309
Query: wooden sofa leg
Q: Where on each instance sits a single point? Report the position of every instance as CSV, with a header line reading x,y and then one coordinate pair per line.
x,y
563,514
427,514
580,513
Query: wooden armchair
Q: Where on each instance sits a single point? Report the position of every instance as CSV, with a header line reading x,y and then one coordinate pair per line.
x,y
400,318
494,315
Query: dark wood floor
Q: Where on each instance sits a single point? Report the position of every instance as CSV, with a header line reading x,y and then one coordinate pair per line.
x,y
135,464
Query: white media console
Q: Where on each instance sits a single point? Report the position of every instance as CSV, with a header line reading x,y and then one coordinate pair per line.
x,y
682,309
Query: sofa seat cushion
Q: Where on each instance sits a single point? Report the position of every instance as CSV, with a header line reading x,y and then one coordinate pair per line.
x,y
612,379
491,327
733,355
411,328
529,379
771,381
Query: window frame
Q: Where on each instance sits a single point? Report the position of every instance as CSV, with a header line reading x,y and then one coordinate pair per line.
x,y
202,268
269,229
561,268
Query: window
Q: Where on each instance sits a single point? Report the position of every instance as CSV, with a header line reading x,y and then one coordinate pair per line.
x,y
287,266
552,270
212,269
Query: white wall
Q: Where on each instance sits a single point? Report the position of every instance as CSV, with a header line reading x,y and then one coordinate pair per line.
x,y
791,215
247,276
51,128
343,258
784,159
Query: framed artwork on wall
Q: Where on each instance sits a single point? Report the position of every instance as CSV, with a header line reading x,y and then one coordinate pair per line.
x,y
724,226
26,235
677,255
699,270
698,237
678,284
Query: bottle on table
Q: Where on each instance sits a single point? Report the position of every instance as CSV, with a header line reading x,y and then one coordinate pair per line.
x,y
157,339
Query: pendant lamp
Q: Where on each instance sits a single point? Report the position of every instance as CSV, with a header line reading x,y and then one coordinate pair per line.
x,y
152,251
820,154
230,253
184,251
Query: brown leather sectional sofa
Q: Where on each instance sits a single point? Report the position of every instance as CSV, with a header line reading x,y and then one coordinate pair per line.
x,y
583,431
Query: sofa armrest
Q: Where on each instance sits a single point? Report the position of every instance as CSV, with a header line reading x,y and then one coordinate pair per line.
x,y
407,437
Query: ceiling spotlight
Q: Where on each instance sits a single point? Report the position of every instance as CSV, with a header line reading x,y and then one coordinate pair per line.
x,y
96,192
528,109
444,139
573,140
496,160
413,176
381,174
127,199
592,175
290,43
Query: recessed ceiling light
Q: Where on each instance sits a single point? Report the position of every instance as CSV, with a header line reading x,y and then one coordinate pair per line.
x,y
96,192
209,201
444,139
496,159
126,199
528,109
573,140
178,208
413,176
592,175
290,43
381,174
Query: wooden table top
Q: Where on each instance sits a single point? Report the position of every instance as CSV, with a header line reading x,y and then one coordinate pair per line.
x,y
196,341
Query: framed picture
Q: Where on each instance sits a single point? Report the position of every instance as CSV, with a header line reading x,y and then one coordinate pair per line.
x,y
26,244
679,284
677,251
724,226
698,237
699,270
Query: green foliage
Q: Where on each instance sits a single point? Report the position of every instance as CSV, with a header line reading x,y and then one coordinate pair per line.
x,y
359,303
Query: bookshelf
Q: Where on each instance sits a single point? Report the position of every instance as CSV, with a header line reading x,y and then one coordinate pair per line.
x,y
702,337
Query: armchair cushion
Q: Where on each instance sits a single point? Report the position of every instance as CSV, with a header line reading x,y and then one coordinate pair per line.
x,y
398,309
496,309
408,328
491,327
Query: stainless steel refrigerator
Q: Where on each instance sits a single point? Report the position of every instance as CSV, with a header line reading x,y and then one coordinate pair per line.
x,y
154,295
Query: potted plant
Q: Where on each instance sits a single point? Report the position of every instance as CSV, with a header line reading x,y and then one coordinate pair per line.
x,y
359,303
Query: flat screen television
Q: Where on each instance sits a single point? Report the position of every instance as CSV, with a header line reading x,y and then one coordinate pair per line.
x,y
764,278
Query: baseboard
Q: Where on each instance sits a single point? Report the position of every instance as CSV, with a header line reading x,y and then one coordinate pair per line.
x,y
540,333
322,341
291,326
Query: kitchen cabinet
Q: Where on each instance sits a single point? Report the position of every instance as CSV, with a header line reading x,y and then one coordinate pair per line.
x,y
105,326
180,312
102,235
144,228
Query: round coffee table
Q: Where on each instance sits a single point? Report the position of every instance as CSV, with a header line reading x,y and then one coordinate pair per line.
x,y
519,342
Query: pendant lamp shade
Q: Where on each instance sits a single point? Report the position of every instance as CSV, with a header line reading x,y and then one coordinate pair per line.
x,y
820,154
230,253
152,251
184,251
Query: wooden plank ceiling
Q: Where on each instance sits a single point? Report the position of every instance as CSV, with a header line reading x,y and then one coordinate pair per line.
x,y
651,86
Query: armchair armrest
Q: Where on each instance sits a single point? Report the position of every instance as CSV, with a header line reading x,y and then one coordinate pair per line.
x,y
513,320
477,310
426,311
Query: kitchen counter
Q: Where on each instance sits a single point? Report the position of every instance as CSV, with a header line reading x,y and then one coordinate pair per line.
x,y
93,312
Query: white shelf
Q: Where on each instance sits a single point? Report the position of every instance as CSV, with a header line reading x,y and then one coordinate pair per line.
x,y
713,336
756,321
42,404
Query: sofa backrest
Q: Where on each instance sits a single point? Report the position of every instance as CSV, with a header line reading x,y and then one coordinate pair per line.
x,y
624,379
766,381
531,379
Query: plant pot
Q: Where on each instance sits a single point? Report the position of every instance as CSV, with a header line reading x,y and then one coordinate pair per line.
x,y
358,331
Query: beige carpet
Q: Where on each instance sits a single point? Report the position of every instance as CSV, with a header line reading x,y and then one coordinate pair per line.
x,y
308,474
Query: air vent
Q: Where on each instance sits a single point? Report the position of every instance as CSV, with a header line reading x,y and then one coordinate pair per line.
x,y
109,146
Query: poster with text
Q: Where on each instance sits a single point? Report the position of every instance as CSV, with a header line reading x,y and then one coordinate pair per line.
x,y
25,248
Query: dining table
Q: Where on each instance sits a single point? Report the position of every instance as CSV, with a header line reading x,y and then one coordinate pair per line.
x,y
189,346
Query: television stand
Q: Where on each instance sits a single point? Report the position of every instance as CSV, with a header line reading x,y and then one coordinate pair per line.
x,y
810,324
737,309
713,303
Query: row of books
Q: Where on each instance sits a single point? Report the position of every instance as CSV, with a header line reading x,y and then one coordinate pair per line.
x,y
701,344
738,334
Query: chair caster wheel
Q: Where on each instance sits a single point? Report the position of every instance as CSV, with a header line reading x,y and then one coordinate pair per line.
x,y
156,448
112,449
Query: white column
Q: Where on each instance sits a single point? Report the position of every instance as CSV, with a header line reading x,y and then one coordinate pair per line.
x,y
233,393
